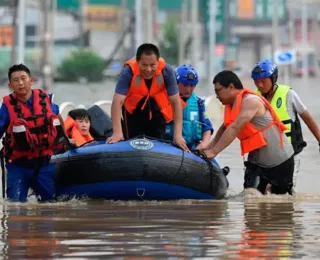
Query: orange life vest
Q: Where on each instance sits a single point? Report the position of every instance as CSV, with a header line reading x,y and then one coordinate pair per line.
x,y
138,90
251,137
73,132
256,245
32,133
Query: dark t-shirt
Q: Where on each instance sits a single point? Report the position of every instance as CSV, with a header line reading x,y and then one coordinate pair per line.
x,y
126,75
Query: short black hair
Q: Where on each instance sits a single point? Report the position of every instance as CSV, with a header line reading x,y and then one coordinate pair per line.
x,y
147,49
79,113
18,67
226,77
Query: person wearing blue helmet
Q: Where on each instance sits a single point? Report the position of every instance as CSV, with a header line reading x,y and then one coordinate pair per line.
x,y
197,128
287,105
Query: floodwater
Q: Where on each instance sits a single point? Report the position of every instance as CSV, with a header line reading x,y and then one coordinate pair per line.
x,y
246,225
249,227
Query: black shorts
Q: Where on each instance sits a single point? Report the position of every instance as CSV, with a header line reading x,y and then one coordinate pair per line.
x,y
139,122
279,177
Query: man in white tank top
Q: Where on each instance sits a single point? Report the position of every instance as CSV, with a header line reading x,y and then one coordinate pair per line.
x,y
271,163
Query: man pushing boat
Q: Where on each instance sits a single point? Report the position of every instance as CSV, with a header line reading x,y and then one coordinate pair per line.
x,y
147,97
251,118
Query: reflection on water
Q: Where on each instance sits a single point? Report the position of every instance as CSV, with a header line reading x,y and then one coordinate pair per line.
x,y
268,230
247,228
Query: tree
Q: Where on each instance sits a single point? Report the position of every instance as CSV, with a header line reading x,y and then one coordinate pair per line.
x,y
169,45
82,63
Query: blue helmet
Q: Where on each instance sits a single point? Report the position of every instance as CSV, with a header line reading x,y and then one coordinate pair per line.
x,y
265,69
186,74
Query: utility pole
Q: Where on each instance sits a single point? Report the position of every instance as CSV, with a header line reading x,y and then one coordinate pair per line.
x,y
123,25
132,40
212,39
21,31
147,6
304,34
46,43
82,23
183,21
275,28
316,44
292,29
195,26
15,21
226,33
146,25
275,40
155,22
138,12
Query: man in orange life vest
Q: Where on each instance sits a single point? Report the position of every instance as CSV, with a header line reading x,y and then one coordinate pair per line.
x,y
33,130
148,93
251,118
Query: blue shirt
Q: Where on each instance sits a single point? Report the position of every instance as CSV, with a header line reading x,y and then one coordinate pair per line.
x,y
4,113
126,75
203,117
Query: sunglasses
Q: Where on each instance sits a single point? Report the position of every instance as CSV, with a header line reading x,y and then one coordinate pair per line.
x,y
218,90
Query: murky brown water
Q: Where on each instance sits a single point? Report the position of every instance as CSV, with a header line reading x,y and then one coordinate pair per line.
x,y
246,226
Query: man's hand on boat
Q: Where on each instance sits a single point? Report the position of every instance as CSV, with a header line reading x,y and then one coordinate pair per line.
x,y
180,142
209,153
116,137
202,146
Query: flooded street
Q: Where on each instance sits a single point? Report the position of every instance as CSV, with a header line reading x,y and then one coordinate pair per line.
x,y
244,226
250,229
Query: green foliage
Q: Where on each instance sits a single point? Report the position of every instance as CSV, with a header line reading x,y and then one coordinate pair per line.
x,y
169,45
82,63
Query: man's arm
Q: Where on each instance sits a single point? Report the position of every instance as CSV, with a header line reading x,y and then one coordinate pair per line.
x,y
312,125
119,97
249,109
4,119
174,97
177,113
117,103
70,142
56,110
299,107
206,136
177,119
217,137
62,124
207,128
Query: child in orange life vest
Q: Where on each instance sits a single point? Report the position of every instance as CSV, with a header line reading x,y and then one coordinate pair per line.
x,y
77,126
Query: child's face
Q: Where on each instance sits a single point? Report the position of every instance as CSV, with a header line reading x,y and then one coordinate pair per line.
x,y
185,90
83,125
